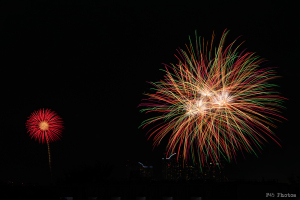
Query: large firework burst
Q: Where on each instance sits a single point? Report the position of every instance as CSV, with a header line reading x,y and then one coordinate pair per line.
x,y
45,126
214,106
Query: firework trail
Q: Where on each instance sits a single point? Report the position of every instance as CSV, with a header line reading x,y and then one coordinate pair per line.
x,y
214,107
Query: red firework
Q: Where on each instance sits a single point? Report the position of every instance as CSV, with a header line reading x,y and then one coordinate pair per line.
x,y
45,126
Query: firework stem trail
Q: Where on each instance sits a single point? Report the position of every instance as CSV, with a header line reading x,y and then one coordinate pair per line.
x,y
50,167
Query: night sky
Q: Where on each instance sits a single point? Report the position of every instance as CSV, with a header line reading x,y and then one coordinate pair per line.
x,y
90,63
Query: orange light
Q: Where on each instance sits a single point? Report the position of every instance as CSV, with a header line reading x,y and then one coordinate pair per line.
x,y
44,125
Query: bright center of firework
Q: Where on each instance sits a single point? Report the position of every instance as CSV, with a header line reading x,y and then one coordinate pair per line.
x,y
207,101
44,126
195,108
223,99
205,92
198,107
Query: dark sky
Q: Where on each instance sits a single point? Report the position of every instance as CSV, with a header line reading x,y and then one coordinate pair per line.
x,y
90,62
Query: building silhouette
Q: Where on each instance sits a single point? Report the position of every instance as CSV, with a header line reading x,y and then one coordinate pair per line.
x,y
174,168
138,171
146,172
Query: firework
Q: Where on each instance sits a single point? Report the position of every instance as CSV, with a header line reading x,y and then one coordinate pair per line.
x,y
213,107
45,126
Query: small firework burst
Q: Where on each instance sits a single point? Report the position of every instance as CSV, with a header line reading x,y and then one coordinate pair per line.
x,y
44,126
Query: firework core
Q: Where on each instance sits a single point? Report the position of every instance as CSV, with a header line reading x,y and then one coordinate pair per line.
x,y
44,126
